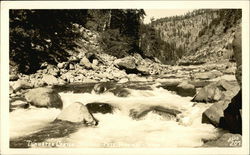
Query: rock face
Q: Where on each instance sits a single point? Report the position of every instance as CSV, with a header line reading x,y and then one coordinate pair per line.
x,y
44,97
77,113
99,108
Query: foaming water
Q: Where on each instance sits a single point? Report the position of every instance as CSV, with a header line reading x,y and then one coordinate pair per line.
x,y
26,121
119,129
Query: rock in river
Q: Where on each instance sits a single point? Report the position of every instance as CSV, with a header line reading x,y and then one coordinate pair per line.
x,y
44,97
77,113
99,108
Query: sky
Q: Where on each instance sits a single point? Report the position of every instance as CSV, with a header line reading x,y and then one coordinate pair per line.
x,y
160,13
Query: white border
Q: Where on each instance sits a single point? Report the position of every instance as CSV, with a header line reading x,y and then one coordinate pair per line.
x,y
5,6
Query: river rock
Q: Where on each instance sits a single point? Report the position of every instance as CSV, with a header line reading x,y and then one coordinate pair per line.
x,y
50,79
77,113
210,93
214,113
237,49
123,80
99,88
216,91
127,63
97,107
119,91
44,97
143,110
21,84
86,63
205,76
226,140
143,69
18,104
186,89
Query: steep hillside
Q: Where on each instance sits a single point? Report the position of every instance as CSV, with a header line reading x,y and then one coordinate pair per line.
x,y
52,36
199,36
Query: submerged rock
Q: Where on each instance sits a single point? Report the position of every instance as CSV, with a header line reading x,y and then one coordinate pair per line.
x,y
143,110
77,113
97,107
44,97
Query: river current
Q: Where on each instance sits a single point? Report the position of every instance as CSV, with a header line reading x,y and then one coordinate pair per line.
x,y
118,129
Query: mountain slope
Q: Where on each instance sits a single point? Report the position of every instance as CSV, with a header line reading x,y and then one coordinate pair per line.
x,y
199,36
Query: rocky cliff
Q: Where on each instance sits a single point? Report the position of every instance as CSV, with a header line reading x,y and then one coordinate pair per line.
x,y
200,36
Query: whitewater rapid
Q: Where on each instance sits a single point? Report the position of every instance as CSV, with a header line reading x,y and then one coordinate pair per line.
x,y
119,129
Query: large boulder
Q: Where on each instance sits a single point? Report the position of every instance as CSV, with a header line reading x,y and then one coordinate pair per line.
x,y
77,113
127,63
97,107
44,97
186,89
144,70
225,114
214,113
232,117
213,92
21,84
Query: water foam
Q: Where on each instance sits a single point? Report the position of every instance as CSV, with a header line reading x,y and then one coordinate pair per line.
x,y
120,130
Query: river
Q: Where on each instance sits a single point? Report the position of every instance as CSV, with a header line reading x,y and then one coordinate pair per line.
x,y
119,129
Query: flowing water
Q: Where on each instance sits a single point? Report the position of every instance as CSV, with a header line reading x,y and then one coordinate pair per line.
x,y
119,129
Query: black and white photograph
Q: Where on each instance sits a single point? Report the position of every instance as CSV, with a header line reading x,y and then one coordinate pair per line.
x,y
126,78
